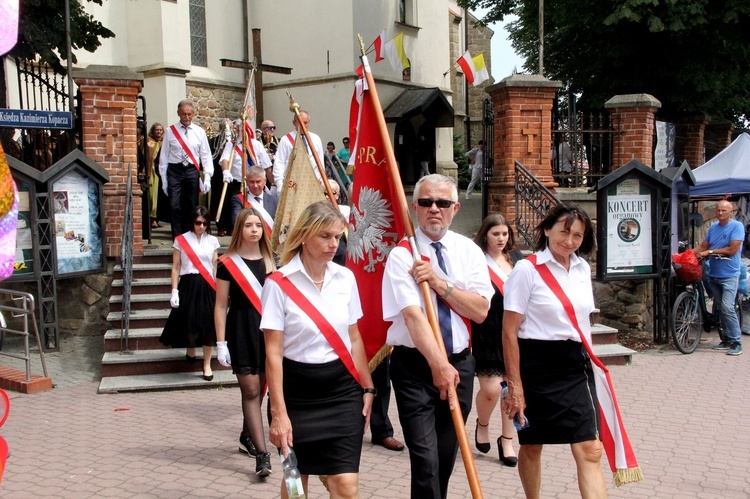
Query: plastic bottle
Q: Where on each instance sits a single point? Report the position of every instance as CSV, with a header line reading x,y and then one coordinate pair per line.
x,y
292,477
516,418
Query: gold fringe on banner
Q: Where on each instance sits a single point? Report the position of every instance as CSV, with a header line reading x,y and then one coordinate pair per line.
x,y
628,475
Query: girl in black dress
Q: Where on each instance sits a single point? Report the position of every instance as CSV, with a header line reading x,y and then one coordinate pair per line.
x,y
240,276
495,237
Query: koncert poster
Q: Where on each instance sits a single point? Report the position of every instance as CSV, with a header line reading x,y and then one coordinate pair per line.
x,y
629,234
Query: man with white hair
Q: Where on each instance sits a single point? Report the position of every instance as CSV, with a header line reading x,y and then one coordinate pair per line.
x,y
456,271
184,152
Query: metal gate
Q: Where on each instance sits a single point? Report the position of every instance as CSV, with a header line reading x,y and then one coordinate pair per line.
x,y
488,134
582,143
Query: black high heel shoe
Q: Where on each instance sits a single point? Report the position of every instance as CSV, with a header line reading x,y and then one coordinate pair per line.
x,y
484,448
510,461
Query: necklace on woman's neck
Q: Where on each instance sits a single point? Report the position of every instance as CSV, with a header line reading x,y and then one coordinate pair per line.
x,y
318,282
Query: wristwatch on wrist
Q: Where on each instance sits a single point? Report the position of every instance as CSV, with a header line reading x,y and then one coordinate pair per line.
x,y
449,289
710,252
369,390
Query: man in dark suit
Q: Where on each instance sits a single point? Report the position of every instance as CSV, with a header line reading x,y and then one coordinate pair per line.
x,y
258,196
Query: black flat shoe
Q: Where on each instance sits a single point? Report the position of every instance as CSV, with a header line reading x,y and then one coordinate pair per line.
x,y
208,377
510,461
190,359
484,448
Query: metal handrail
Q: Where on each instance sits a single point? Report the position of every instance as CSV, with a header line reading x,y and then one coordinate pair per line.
x,y
533,201
126,260
26,309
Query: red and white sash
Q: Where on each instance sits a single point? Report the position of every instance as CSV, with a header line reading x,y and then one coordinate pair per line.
x,y
267,219
189,251
330,333
185,147
245,278
615,440
497,276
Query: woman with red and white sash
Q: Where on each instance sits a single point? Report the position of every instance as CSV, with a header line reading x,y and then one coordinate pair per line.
x,y
321,389
191,322
549,372
497,241
240,276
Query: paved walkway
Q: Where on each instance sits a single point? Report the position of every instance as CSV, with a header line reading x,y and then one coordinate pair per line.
x,y
688,418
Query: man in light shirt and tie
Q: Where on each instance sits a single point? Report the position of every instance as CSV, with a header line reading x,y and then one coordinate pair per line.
x,y
184,150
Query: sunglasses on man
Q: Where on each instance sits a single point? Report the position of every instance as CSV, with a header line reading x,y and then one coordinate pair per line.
x,y
440,203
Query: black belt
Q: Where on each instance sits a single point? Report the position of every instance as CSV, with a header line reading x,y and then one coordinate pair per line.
x,y
415,351
181,164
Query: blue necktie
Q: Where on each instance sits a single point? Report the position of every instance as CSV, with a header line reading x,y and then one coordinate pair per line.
x,y
444,311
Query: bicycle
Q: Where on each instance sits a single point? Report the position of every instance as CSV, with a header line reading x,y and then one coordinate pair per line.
x,y
690,316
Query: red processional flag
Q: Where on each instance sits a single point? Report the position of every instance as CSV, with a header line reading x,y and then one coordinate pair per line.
x,y
375,225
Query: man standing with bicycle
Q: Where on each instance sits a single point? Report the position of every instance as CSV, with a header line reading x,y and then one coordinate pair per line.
x,y
723,241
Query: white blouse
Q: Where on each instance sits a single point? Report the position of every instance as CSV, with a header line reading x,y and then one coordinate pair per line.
x,y
204,249
338,301
544,316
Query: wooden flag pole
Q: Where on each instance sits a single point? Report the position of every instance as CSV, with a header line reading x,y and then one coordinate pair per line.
x,y
228,136
458,421
294,108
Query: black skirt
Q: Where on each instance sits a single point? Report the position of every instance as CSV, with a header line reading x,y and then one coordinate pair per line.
x,y
192,323
324,404
558,385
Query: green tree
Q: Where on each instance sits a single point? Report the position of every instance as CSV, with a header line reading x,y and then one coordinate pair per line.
x,y
693,55
41,32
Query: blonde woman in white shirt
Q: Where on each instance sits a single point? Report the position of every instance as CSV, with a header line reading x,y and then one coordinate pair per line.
x,y
320,387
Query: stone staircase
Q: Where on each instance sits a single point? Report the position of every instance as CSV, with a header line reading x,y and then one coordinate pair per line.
x,y
148,365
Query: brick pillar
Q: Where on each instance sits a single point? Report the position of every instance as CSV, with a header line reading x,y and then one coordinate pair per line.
x,y
523,132
633,119
722,132
693,129
108,113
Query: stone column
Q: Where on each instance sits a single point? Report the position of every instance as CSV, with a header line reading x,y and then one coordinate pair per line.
x,y
633,119
108,113
522,105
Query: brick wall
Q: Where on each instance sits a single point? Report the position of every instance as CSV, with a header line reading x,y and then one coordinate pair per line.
x,y
522,105
633,118
108,113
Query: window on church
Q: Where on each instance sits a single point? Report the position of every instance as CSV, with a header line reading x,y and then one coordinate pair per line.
x,y
198,51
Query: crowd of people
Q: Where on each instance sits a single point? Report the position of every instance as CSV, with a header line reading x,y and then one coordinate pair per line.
x,y
291,332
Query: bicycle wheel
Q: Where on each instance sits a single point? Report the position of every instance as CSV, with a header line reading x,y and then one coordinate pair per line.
x,y
687,322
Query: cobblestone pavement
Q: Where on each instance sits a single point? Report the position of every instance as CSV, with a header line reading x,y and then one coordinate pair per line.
x,y
687,418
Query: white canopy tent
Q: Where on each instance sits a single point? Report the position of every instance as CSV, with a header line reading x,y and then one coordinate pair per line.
x,y
726,173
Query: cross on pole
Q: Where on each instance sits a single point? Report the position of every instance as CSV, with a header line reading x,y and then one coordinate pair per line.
x,y
259,69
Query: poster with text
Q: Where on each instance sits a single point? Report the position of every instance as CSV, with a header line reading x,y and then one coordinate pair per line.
x,y
75,203
629,235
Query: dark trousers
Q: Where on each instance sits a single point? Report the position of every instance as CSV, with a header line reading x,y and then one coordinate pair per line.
x,y
426,420
182,185
380,423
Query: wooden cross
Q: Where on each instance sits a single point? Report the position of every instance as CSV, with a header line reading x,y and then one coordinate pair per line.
x,y
259,69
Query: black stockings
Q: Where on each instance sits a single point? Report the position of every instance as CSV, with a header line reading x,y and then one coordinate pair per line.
x,y
250,387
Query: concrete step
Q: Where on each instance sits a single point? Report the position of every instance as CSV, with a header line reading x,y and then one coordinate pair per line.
x,y
167,381
603,335
144,270
154,361
145,301
138,339
614,354
141,318
145,285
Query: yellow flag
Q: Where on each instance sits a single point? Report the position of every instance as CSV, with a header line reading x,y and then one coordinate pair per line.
x,y
301,188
